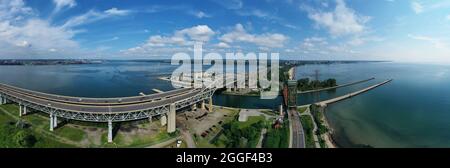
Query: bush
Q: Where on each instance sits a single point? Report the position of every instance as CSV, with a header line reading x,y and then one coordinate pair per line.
x,y
24,139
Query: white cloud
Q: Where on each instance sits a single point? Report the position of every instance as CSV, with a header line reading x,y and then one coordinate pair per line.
x,y
417,7
341,21
13,10
425,6
222,45
60,4
115,11
239,34
32,36
92,16
158,45
312,43
197,33
437,43
200,14
448,17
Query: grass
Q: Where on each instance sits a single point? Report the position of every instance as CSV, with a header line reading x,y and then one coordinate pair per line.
x,y
251,120
137,141
268,112
277,138
308,127
302,109
42,140
73,134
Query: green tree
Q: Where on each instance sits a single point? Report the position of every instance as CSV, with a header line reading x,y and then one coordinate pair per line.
x,y
24,139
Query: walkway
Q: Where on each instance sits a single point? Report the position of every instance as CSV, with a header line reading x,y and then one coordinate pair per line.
x,y
335,87
334,100
188,138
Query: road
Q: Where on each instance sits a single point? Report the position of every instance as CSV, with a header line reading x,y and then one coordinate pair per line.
x,y
261,138
97,101
298,136
99,109
188,138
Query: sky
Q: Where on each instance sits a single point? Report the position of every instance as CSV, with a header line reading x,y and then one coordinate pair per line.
x,y
395,30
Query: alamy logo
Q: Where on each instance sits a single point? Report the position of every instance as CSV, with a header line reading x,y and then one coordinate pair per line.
x,y
235,71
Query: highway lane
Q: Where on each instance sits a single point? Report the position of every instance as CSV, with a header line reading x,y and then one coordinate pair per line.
x,y
100,109
97,101
298,137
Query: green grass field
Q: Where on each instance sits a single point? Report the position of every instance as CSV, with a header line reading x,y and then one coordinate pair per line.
x,y
70,135
8,131
308,127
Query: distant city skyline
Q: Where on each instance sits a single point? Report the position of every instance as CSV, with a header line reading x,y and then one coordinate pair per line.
x,y
397,30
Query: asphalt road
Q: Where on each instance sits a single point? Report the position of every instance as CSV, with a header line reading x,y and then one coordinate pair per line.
x,y
96,101
298,137
96,108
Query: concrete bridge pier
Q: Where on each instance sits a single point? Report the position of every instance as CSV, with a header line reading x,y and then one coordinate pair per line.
x,y
210,108
194,107
163,120
203,105
171,119
150,119
110,134
55,121
20,110
1,100
51,122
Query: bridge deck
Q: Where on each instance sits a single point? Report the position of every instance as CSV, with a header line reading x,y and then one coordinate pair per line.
x,y
99,109
96,101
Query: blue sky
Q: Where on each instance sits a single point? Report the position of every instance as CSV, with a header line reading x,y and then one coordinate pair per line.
x,y
398,30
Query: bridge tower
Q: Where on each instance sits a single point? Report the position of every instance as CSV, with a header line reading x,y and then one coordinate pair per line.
x,y
292,94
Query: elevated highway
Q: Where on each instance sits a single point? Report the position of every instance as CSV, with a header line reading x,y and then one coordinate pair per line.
x,y
108,110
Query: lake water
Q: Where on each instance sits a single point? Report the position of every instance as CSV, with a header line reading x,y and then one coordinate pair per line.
x,y
411,111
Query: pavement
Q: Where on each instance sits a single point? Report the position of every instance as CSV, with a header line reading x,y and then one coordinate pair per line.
x,y
298,135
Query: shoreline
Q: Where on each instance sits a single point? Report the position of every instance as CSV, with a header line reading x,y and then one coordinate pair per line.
x,y
328,137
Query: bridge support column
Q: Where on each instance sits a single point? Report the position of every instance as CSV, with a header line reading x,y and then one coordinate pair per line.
x,y
25,109
210,108
20,110
171,118
163,120
1,100
51,121
55,121
194,107
150,119
110,134
203,105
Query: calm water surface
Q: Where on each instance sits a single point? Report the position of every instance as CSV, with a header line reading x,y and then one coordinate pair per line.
x,y
411,111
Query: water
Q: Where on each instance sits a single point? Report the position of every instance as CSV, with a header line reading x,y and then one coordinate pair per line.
x,y
411,111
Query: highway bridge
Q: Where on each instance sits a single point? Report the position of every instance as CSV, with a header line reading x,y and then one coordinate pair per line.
x,y
108,110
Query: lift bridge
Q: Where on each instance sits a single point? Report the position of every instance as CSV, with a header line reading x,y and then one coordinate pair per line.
x,y
109,110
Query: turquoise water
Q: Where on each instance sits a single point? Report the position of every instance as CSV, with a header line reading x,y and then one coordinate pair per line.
x,y
411,111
